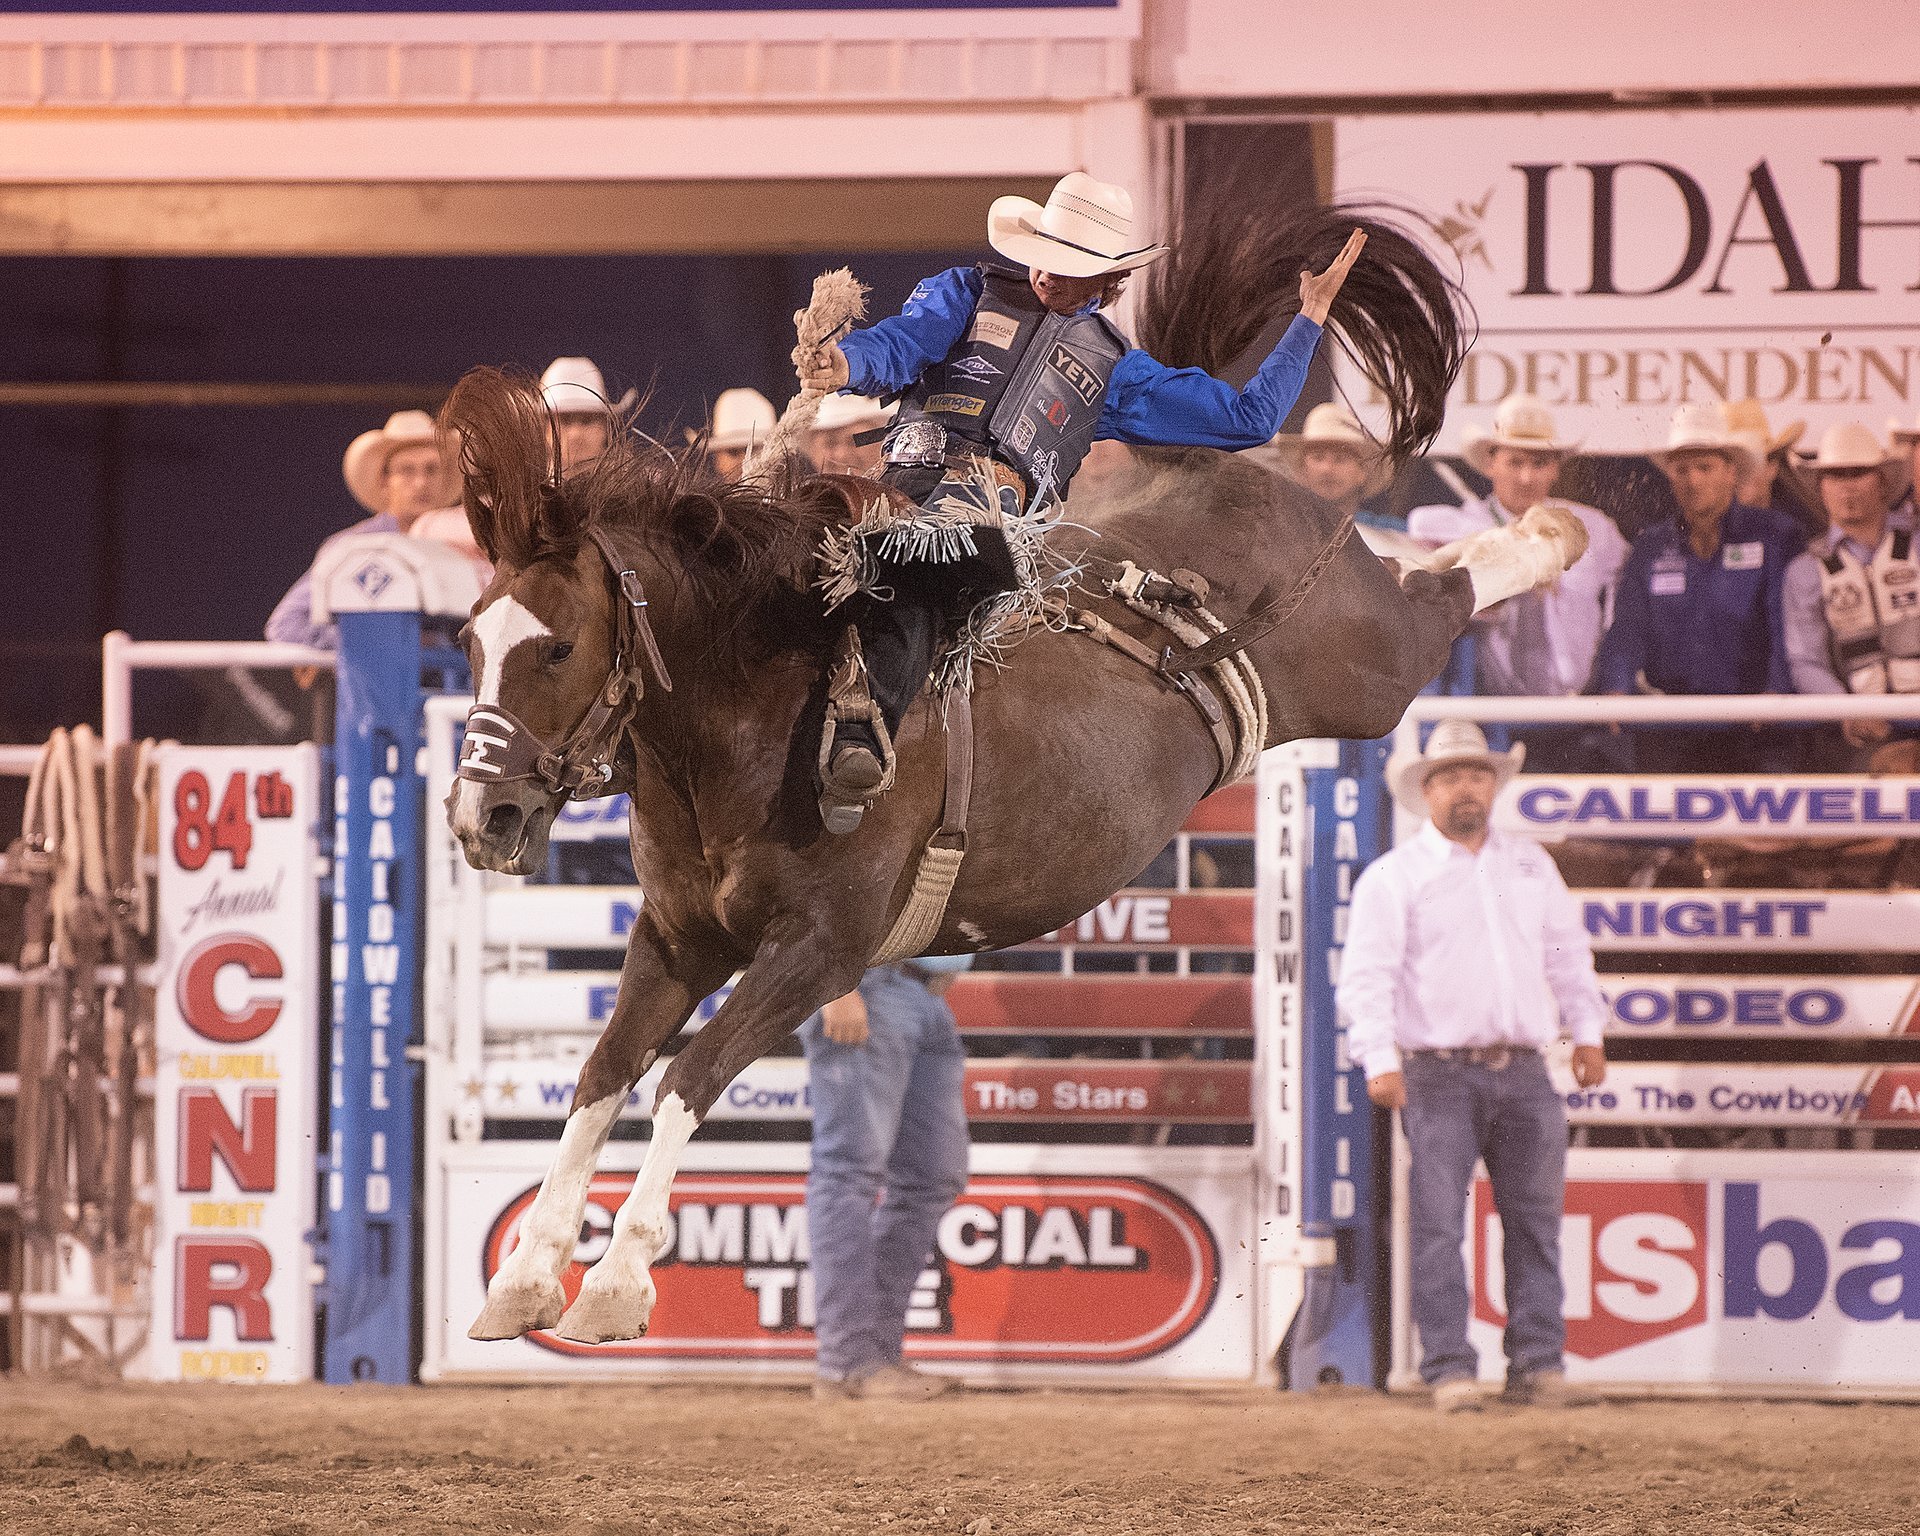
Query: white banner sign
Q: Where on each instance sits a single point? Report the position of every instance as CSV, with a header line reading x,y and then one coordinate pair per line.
x,y
236,1041
1771,1270
1057,1262
1620,263
1552,807
1807,1097
1881,922
1761,1005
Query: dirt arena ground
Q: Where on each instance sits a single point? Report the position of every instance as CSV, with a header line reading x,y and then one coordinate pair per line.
x,y
594,1461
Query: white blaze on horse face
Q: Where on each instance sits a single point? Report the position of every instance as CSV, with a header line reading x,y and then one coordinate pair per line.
x,y
497,631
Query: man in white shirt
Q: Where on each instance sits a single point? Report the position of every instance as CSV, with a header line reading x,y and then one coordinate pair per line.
x,y
1465,957
1540,644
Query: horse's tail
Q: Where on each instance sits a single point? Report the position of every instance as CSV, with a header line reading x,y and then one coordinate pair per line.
x,y
1235,270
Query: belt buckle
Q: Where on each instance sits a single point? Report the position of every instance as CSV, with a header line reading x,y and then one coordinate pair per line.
x,y
917,443
1497,1057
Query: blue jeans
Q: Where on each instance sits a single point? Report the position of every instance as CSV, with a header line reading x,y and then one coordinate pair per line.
x,y
888,1119
1458,1113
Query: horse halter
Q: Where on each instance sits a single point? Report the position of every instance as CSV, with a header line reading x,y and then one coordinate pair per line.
x,y
501,748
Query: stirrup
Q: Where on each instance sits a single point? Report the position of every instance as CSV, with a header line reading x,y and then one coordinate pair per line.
x,y
848,785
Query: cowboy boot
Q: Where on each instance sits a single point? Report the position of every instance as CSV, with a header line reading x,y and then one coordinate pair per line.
x,y
856,748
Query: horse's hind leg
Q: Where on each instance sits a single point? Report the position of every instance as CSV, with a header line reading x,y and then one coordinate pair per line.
x,y
1520,557
654,1001
793,975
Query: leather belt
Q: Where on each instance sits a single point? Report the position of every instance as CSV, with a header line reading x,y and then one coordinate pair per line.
x,y
1492,1057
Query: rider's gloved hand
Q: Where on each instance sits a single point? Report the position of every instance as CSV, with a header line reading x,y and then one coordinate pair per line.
x,y
824,369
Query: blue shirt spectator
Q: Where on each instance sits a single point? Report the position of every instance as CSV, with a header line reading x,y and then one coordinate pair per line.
x,y
1684,622
1147,402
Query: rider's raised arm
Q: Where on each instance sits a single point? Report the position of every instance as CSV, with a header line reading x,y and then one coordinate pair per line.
x,y
887,357
1148,402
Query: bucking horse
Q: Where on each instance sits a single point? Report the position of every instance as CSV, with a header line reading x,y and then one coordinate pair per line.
x,y
653,630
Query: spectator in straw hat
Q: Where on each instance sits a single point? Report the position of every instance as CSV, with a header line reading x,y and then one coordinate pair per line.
x,y
842,421
1764,485
1332,456
1906,440
1851,602
396,472
742,419
1697,609
1540,643
1466,957
584,414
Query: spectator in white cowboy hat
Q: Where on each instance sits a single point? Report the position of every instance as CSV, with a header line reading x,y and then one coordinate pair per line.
x,y
1333,456
1466,957
1764,485
1697,607
834,443
398,474
1851,602
584,414
742,420
1542,643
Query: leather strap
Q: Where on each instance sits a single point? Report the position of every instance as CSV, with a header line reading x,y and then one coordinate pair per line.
x,y
1263,619
959,791
1198,693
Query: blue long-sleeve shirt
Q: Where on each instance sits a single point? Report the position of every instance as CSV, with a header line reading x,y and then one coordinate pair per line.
x,y
1147,402
1702,626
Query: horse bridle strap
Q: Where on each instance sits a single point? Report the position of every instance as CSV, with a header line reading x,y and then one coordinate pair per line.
x,y
501,748
1262,620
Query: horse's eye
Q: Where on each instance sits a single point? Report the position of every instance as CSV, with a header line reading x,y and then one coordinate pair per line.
x,y
562,649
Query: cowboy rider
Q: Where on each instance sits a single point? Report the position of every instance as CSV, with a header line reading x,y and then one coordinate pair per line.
x,y
1017,368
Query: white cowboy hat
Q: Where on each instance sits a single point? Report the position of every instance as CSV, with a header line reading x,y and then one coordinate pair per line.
x,y
364,464
1331,424
573,386
1519,421
1701,427
741,418
1085,230
1848,445
1452,741
838,410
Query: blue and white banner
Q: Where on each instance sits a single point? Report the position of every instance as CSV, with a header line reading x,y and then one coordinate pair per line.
x,y
1731,806
1828,1096
1879,922
1771,1007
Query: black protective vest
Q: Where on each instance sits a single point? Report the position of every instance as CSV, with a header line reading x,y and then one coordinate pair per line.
x,y
1023,383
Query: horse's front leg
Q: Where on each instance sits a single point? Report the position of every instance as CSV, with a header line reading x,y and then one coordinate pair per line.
x,y
791,976
658,991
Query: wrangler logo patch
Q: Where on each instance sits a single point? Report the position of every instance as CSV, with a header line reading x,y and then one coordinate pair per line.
x,y
1081,379
994,330
955,405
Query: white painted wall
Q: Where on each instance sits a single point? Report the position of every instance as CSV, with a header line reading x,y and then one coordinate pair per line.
x,y
1254,48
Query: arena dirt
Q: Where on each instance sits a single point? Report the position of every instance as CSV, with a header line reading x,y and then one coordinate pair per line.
x,y
594,1461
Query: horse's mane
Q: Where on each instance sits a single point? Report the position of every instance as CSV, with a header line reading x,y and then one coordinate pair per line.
x,y
1235,270
739,553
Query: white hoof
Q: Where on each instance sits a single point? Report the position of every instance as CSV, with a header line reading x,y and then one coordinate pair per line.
x,y
518,1305
616,1307
1524,557
1560,528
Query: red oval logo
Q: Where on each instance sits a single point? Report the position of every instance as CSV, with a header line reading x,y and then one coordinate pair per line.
x,y
1050,1268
